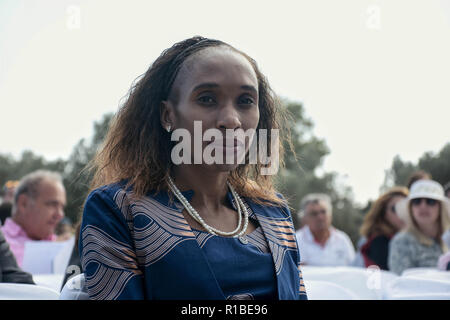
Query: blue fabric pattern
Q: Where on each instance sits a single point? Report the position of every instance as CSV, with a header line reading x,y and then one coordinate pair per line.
x,y
255,279
145,249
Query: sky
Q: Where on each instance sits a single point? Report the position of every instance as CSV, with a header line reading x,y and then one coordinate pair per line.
x,y
373,75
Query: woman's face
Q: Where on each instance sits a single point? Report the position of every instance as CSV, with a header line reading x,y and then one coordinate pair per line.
x,y
218,87
391,214
425,211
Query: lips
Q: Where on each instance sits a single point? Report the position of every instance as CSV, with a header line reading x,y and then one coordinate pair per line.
x,y
227,144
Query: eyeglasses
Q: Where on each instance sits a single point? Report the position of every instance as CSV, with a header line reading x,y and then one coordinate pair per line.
x,y
315,213
418,201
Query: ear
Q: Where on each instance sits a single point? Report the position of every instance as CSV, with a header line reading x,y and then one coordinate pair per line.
x,y
166,111
23,201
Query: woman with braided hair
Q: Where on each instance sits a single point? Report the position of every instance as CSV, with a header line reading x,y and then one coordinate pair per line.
x,y
155,227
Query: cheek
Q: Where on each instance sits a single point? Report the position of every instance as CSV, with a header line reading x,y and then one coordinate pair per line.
x,y
436,214
182,119
416,216
42,215
253,119
391,218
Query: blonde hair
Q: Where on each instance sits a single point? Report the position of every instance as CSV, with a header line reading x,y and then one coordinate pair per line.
x,y
375,222
412,227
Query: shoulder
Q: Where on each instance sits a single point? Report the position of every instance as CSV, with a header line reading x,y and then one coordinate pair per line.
x,y
118,195
2,239
341,235
381,239
107,192
301,233
269,208
403,238
106,204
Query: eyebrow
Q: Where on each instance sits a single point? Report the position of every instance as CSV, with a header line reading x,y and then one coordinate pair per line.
x,y
212,85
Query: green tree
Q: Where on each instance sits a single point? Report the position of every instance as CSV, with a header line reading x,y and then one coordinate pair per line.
x,y
76,178
299,177
437,164
12,169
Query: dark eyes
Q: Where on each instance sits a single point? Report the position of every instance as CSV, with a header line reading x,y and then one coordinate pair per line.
x,y
210,100
206,100
246,100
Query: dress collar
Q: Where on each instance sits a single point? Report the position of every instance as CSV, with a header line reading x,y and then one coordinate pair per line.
x,y
189,194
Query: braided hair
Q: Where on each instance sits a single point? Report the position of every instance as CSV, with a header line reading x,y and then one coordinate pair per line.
x,y
137,148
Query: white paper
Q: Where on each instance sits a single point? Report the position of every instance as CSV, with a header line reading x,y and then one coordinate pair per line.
x,y
46,257
61,260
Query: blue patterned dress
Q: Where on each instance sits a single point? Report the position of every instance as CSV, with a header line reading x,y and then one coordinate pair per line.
x,y
145,249
250,255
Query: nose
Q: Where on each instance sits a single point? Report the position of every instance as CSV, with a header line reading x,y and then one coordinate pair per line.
x,y
59,212
228,117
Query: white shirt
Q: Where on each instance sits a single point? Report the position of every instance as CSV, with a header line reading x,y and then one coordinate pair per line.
x,y
337,251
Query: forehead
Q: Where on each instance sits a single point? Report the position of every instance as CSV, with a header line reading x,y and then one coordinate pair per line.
x,y
221,65
395,199
316,206
50,189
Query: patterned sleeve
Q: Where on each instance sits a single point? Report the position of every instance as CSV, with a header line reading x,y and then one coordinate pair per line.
x,y
400,255
106,251
302,291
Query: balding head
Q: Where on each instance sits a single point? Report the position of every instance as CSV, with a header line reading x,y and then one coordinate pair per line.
x,y
39,203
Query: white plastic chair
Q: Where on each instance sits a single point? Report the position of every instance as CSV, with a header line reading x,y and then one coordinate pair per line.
x,y
367,284
52,281
19,291
414,271
323,290
74,289
420,287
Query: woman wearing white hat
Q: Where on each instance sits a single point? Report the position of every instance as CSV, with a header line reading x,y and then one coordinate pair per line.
x,y
427,215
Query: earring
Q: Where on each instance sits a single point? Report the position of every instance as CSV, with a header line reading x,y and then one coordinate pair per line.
x,y
168,128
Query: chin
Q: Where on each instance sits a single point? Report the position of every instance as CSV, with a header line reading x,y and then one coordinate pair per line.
x,y
224,167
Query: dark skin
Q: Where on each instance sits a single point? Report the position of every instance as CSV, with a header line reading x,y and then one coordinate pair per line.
x,y
218,87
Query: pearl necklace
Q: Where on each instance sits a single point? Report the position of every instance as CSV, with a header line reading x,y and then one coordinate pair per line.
x,y
195,215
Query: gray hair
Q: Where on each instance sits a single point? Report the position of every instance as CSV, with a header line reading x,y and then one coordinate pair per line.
x,y
29,184
315,198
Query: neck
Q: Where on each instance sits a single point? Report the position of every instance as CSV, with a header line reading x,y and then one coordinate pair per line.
x,y
17,219
210,188
321,236
430,230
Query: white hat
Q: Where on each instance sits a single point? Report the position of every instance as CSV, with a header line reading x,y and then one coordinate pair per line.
x,y
424,189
